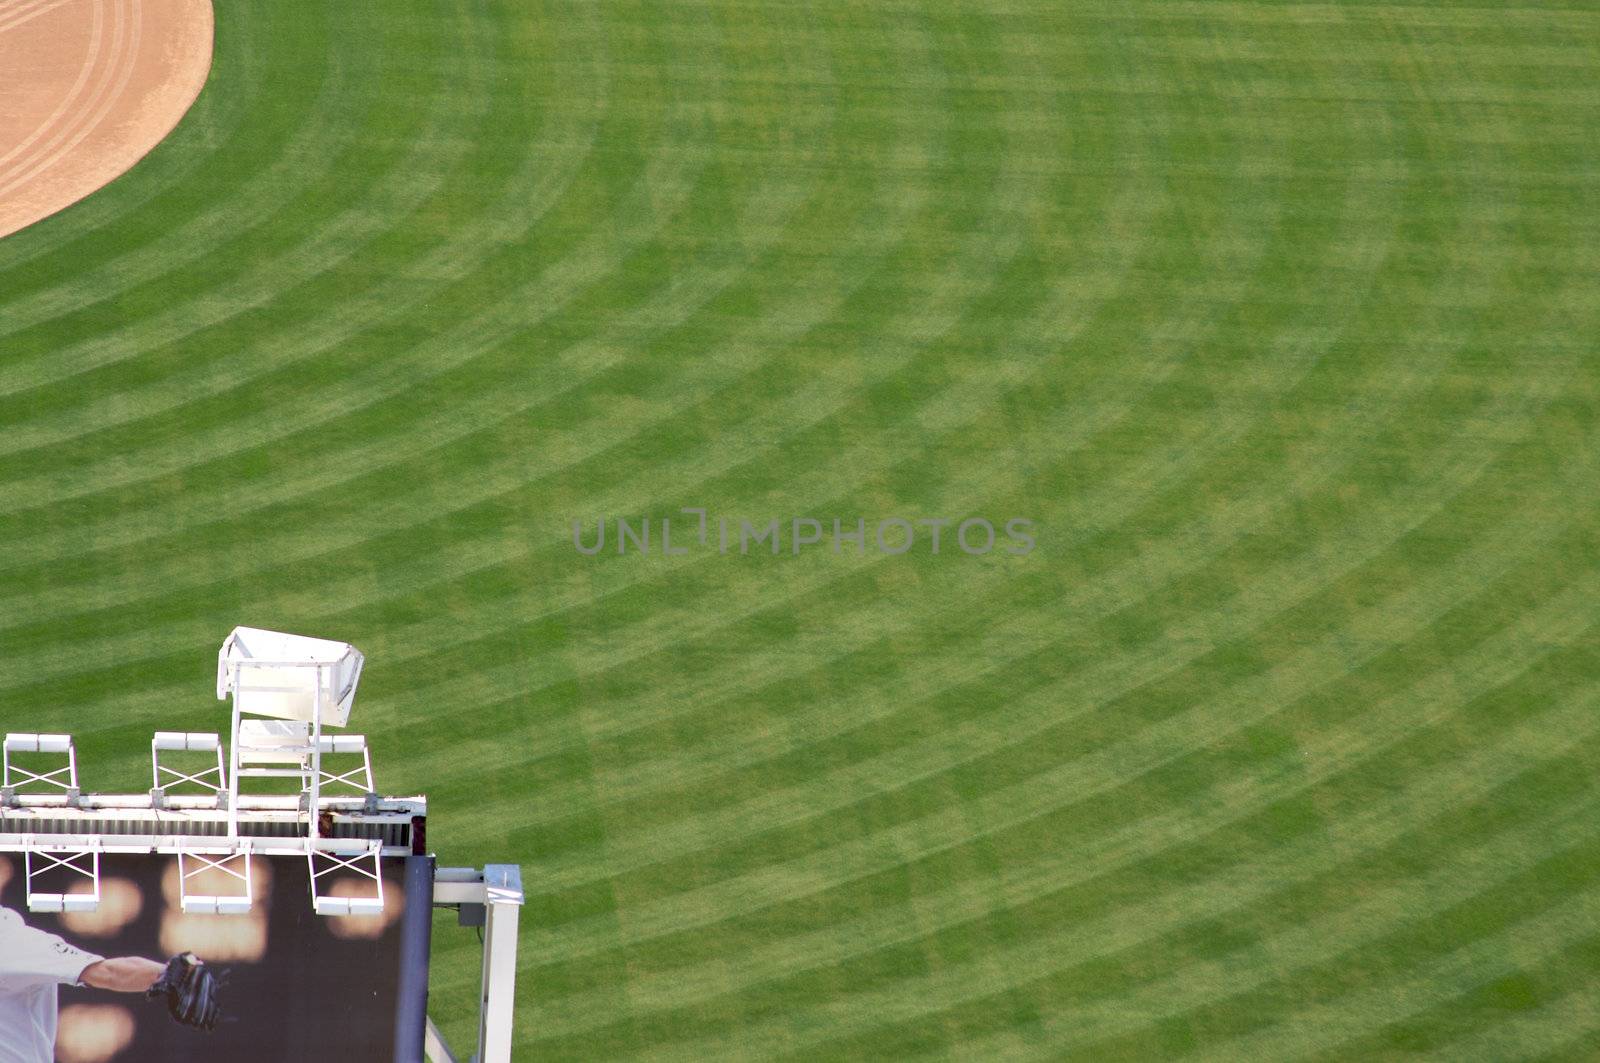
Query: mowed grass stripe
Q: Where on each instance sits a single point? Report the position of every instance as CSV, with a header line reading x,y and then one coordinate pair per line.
x,y
315,138
636,708
324,414
32,373
1365,997
958,889
1544,1011
1150,1039
72,427
698,697
1076,955
898,708
1045,794
1538,938
1322,892
1231,822
175,452
471,109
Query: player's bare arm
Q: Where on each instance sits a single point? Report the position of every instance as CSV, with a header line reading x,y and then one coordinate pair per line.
x,y
123,974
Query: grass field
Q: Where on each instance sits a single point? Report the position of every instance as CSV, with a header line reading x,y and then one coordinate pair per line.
x,y
1278,319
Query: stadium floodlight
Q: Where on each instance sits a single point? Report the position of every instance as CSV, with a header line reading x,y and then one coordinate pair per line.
x,y
289,677
301,684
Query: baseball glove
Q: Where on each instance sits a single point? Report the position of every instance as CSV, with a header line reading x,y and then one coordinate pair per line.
x,y
191,990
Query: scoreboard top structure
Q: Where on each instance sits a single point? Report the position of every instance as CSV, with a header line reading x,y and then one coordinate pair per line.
x,y
286,690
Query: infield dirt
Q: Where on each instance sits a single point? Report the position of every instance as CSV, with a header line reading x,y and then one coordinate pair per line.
x,y
87,88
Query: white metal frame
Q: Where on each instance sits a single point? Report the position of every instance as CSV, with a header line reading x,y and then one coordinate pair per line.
x,y
18,742
282,701
337,857
195,853
163,777
322,857
498,887
227,862
358,778
311,751
62,858
433,1044
273,749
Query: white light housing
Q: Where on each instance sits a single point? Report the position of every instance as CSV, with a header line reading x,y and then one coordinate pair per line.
x,y
271,673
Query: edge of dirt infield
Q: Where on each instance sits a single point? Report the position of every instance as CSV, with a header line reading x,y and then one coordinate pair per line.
x,y
93,87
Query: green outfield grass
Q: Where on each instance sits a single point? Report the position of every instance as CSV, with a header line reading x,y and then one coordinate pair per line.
x,y
1279,319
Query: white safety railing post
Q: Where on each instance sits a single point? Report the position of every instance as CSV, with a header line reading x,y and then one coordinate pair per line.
x,y
314,789
233,759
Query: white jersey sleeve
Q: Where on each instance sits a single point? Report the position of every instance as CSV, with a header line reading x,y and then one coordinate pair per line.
x,y
30,957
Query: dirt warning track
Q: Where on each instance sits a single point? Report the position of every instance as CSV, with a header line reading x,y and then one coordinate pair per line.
x,y
87,88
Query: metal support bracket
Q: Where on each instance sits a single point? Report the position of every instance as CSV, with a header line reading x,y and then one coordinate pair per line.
x,y
76,861
212,779
498,887
359,776
13,776
364,863
234,864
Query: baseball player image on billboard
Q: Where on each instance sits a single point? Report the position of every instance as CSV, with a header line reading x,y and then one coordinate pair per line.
x,y
33,964
333,980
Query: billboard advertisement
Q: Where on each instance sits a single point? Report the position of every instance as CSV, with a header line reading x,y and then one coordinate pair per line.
x,y
294,985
